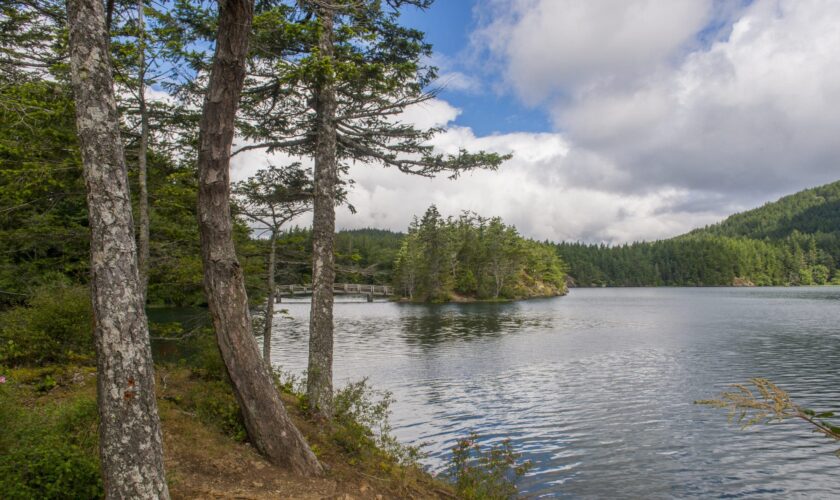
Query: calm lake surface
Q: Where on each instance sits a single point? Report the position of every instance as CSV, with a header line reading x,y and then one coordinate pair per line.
x,y
596,388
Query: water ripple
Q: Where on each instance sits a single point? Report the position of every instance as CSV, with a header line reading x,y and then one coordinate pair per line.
x,y
596,388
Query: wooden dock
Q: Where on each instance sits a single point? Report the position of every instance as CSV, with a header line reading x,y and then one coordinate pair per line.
x,y
369,291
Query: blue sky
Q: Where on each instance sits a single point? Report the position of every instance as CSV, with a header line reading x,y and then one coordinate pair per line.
x,y
448,25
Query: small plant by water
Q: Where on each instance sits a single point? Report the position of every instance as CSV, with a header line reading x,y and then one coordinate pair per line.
x,y
490,473
760,402
362,431
362,414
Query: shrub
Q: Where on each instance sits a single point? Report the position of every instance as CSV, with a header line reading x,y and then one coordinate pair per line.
x,y
761,402
214,403
55,326
206,361
47,471
361,424
194,348
49,452
485,474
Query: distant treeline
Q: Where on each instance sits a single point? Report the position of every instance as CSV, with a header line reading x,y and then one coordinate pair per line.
x,y
701,261
472,257
793,241
361,256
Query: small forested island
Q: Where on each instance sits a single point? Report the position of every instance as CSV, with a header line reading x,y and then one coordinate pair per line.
x,y
474,258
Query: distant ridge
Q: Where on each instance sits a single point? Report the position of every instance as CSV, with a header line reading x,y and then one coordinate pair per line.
x,y
792,241
810,211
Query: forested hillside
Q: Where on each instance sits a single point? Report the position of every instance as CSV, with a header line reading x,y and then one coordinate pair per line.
x,y
812,211
793,241
472,257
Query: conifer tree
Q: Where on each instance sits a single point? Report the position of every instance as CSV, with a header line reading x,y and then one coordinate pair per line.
x,y
269,199
266,420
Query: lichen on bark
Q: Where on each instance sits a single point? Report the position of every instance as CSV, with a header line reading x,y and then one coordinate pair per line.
x,y
130,443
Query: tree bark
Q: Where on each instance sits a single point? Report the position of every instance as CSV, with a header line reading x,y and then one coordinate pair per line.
x,y
142,150
130,444
269,307
269,426
319,386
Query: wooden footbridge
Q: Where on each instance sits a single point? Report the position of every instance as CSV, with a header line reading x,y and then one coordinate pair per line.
x,y
369,291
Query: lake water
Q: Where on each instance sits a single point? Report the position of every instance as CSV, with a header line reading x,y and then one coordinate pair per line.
x,y
596,388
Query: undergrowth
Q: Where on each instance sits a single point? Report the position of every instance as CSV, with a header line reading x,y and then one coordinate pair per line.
x,y
361,430
54,326
48,450
48,414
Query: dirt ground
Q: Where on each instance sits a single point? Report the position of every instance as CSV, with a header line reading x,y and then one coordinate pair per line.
x,y
203,463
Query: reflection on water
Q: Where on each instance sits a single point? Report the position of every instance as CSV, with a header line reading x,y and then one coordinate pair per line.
x,y
431,325
171,350
596,388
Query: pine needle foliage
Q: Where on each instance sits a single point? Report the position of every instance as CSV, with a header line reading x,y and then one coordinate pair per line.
x,y
761,402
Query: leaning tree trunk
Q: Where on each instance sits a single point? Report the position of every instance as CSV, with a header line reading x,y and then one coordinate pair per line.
x,y
130,444
142,151
269,426
269,307
319,372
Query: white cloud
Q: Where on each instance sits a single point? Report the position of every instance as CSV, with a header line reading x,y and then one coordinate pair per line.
x,y
433,113
542,190
721,101
532,195
451,76
158,95
551,44
459,82
534,191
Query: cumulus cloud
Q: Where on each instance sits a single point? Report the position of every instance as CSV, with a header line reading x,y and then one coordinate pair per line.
x,y
459,81
533,191
731,104
451,76
550,45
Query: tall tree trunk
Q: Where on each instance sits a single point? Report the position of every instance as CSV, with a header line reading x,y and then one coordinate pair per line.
x,y
269,307
266,420
130,444
319,372
143,212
